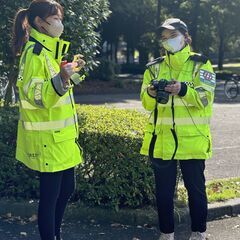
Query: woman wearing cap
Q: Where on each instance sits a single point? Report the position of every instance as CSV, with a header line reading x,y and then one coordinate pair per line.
x,y
178,128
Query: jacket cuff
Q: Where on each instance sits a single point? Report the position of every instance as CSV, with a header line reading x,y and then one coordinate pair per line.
x,y
76,78
183,90
57,84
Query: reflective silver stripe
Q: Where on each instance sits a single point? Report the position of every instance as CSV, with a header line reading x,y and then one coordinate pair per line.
x,y
51,125
38,94
30,83
196,69
182,121
203,96
53,73
155,69
61,102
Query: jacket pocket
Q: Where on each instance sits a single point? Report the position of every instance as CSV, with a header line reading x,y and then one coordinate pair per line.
x,y
194,140
64,134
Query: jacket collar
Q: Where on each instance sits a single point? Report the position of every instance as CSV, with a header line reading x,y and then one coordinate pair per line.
x,y
177,60
56,46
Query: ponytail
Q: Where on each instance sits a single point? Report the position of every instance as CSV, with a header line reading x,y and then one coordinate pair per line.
x,y
20,33
24,20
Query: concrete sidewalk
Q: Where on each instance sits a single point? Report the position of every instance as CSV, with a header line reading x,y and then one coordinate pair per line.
x,y
142,216
222,229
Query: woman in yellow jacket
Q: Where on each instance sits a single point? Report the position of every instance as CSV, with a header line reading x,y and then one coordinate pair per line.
x,y
178,90
47,127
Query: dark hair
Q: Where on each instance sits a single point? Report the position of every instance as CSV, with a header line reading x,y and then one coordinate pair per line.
x,y
24,19
188,38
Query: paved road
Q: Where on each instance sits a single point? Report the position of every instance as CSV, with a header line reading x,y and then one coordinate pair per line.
x,y
225,128
224,229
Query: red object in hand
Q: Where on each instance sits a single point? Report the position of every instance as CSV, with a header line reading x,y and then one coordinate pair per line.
x,y
63,63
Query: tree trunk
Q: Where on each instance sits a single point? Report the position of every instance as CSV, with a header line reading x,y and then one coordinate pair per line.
x,y
221,52
143,56
130,53
116,51
196,11
158,33
111,51
131,56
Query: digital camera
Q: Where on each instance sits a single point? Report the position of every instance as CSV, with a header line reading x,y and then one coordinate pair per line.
x,y
159,85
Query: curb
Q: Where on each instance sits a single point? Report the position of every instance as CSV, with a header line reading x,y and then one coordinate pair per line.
x,y
76,212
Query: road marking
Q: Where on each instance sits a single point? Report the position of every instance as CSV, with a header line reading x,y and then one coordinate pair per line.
x,y
229,147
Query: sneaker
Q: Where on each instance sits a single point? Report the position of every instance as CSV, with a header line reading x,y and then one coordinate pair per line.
x,y
166,236
198,236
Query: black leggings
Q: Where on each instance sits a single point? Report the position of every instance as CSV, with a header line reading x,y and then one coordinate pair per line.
x,y
55,190
193,176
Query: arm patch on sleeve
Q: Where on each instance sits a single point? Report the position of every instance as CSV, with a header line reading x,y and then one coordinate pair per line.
x,y
207,78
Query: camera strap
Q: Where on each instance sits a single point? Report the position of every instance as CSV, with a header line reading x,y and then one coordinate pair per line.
x,y
173,130
153,75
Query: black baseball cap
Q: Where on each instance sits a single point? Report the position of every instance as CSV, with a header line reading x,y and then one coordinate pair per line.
x,y
174,24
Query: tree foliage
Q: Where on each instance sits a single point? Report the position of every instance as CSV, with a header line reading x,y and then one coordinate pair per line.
x,y
82,19
212,24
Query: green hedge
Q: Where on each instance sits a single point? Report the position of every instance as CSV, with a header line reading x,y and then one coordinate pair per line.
x,y
113,174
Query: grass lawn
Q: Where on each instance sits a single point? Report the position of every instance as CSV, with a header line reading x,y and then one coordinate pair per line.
x,y
217,190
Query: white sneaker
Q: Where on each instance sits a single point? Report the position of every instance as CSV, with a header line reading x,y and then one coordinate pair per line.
x,y
166,236
198,236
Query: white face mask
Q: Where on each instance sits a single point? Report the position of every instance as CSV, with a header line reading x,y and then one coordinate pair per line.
x,y
174,44
54,27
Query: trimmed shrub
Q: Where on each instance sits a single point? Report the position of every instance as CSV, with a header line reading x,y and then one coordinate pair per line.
x,y
113,174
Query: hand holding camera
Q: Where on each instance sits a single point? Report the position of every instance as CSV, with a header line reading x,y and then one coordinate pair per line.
x,y
159,86
173,88
152,91
162,89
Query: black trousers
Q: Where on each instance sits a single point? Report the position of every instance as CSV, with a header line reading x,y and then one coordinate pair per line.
x,y
55,191
193,176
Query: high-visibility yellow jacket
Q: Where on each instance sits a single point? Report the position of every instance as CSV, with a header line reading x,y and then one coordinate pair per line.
x,y
192,110
48,127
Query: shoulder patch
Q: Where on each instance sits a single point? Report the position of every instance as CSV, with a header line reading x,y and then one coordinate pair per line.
x,y
155,61
207,77
199,58
37,48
